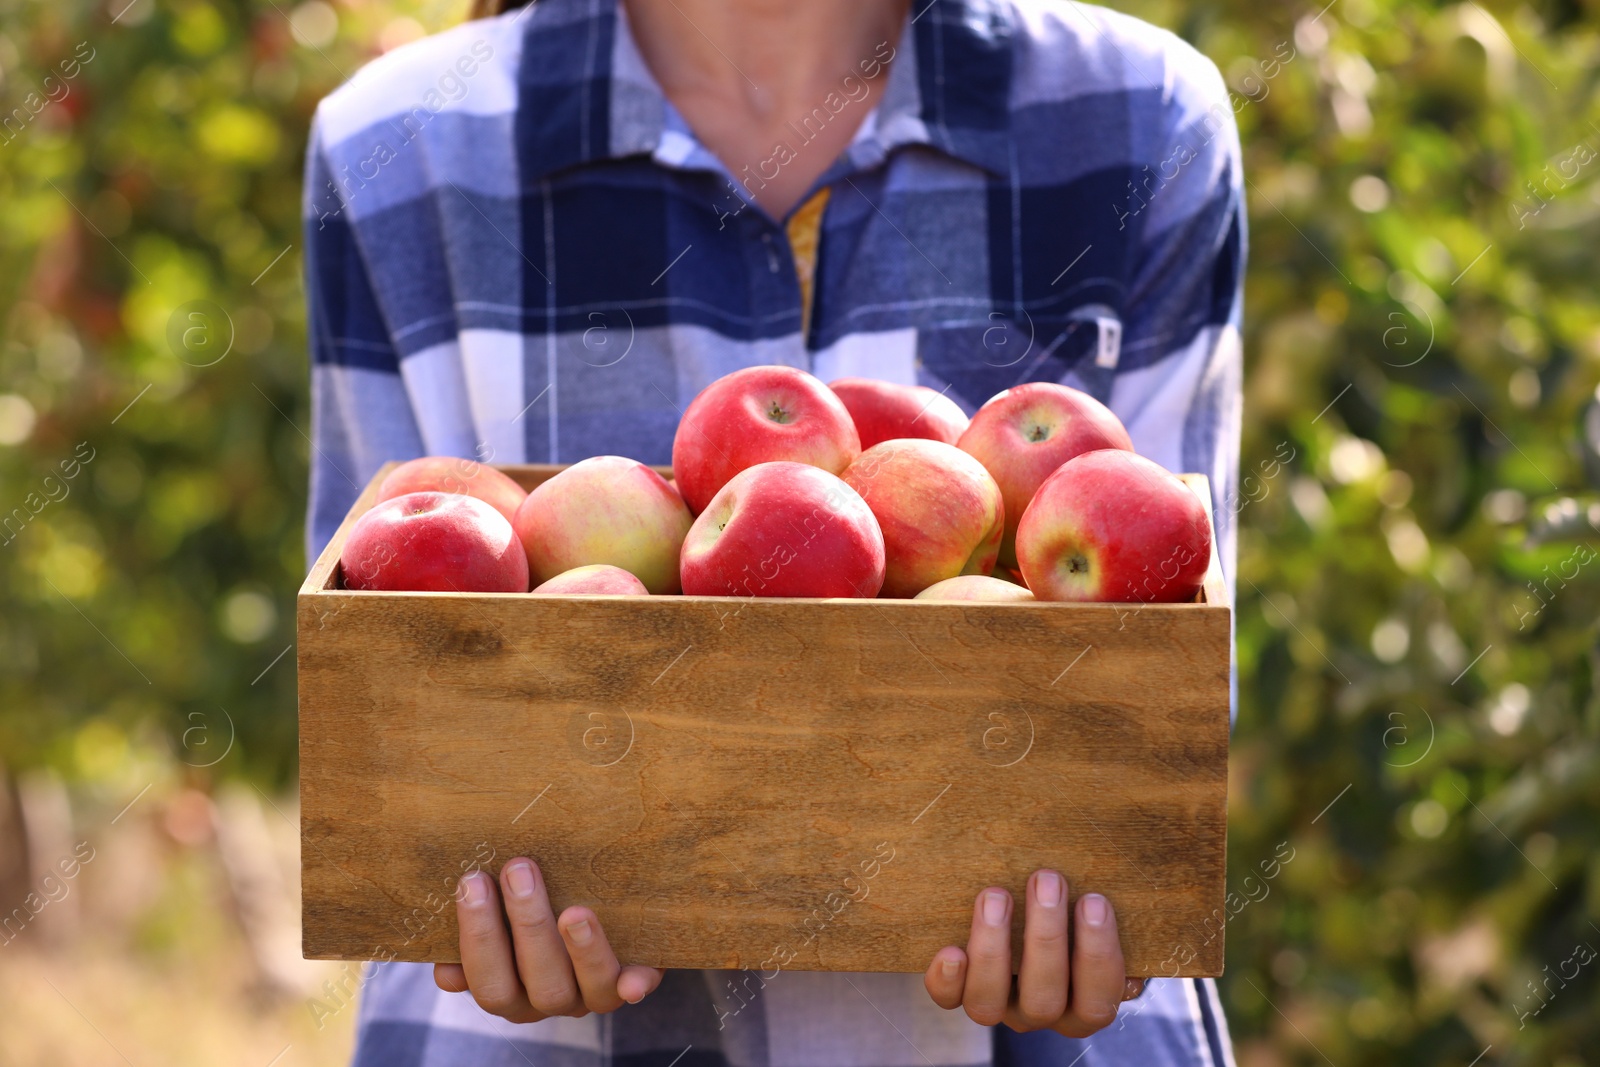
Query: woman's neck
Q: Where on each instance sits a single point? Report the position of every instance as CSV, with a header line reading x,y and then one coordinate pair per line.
x,y
774,88
773,57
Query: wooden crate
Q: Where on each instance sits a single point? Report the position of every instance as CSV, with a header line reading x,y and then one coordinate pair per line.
x,y
761,782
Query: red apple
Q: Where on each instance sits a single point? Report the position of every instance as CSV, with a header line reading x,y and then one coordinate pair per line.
x,y
605,510
784,529
975,587
1111,525
1023,434
939,510
439,542
596,579
884,411
447,474
758,415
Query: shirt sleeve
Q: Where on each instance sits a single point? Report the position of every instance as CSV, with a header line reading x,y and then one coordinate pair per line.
x,y
361,415
1181,392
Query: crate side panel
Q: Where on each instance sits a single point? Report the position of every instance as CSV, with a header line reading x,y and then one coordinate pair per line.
x,y
742,784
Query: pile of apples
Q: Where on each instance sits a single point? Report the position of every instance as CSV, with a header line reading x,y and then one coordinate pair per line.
x,y
783,486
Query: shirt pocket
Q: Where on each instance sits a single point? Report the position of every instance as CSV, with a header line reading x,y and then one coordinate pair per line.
x,y
984,355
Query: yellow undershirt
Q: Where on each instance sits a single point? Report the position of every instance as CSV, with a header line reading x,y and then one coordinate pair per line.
x,y
805,230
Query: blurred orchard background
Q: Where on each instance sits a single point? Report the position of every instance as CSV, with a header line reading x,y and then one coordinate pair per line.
x,y
1419,725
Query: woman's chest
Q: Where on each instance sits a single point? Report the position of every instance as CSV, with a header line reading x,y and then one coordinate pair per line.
x,y
926,268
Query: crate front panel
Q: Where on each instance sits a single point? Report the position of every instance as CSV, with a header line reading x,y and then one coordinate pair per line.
x,y
742,784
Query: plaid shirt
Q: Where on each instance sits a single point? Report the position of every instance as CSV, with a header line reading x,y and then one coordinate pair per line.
x,y
517,250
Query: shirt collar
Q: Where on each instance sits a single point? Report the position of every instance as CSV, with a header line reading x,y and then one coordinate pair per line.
x,y
586,95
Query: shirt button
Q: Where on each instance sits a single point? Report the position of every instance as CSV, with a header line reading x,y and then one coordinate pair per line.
x,y
772,254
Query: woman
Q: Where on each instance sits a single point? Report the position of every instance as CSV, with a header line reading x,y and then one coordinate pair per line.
x,y
535,237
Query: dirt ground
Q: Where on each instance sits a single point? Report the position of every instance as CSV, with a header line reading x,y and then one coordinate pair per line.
x,y
173,941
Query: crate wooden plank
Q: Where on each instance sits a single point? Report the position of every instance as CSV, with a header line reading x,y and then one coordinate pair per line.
x,y
742,783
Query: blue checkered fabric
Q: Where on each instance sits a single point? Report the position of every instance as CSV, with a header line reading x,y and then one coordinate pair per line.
x,y
517,250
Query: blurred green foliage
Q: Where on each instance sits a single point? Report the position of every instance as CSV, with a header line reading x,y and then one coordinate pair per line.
x,y
1417,641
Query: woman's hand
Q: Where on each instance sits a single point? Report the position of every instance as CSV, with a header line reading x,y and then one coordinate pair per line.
x,y
544,965
1048,994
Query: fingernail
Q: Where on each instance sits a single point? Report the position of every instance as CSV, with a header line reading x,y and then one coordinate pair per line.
x,y
474,890
580,932
950,967
519,878
1095,909
994,908
1047,888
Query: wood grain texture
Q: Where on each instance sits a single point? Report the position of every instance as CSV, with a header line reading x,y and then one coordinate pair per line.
x,y
756,783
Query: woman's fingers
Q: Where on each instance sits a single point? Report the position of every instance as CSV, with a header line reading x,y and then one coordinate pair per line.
x,y
988,985
946,977
541,956
593,962
636,983
450,977
1099,977
1042,981
543,966
1072,978
486,959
